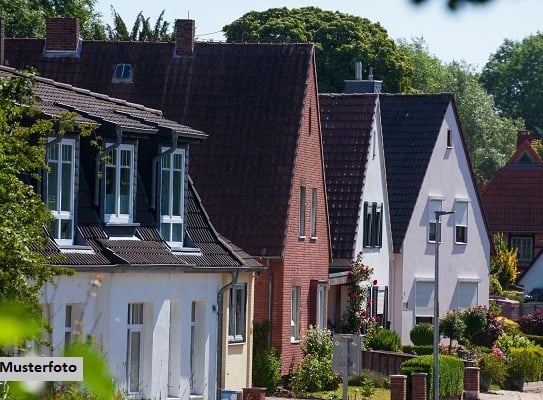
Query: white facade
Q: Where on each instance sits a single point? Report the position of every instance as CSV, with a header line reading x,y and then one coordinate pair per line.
x,y
178,329
463,267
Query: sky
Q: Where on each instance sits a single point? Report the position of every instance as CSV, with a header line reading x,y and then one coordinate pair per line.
x,y
470,34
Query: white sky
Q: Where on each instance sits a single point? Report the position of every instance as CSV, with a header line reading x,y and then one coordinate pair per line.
x,y
470,34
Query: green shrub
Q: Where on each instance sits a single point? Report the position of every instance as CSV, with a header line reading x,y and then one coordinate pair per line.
x,y
383,339
535,339
452,326
492,368
451,374
314,373
418,350
508,341
376,379
525,363
267,369
422,334
494,286
475,321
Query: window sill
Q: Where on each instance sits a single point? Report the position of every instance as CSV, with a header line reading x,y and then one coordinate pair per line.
x,y
120,223
295,341
461,243
236,340
313,238
301,237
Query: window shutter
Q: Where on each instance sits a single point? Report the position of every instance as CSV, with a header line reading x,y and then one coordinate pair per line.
x,y
366,229
313,284
379,224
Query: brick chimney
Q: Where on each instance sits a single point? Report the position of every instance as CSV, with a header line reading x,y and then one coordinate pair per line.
x,y
522,136
62,34
184,37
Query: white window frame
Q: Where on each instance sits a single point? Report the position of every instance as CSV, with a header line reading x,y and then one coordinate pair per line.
x,y
434,205
523,244
117,216
296,295
461,209
169,219
134,368
313,217
301,213
424,298
321,321
61,216
237,313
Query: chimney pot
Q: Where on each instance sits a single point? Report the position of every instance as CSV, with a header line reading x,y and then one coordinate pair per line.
x,y
185,33
522,136
358,70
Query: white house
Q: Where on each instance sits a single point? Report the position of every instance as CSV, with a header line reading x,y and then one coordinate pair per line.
x,y
160,291
428,170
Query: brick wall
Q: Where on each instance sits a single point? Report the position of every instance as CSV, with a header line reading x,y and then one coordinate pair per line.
x,y
62,34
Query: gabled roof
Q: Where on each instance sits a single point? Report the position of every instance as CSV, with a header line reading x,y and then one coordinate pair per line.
x,y
513,200
248,97
411,124
146,248
346,123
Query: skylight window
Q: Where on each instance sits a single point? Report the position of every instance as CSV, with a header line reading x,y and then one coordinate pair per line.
x,y
123,73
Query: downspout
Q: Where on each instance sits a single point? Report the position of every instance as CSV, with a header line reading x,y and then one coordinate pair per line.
x,y
270,298
118,141
220,319
175,135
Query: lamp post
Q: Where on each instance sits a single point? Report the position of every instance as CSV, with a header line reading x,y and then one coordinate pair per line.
x,y
438,215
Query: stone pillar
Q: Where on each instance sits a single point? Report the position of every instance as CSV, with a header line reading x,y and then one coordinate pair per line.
x,y
398,387
471,383
254,393
418,385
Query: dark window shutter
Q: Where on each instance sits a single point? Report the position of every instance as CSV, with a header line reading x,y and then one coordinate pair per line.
x,y
379,224
367,223
312,317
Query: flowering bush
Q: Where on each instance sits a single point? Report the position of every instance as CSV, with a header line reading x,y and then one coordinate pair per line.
x,y
532,324
355,316
509,341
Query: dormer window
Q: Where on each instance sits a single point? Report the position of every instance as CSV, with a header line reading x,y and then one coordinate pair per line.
x,y
119,187
123,73
172,189
60,189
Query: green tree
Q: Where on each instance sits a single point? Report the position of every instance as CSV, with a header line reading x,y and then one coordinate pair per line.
x,y
23,214
27,18
141,30
490,138
340,40
451,325
503,265
514,77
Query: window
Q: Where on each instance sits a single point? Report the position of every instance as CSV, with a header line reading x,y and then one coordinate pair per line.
x,y
524,246
119,189
467,295
295,314
68,325
301,225
134,346
172,197
321,306
424,301
461,221
238,307
313,219
433,206
373,222
449,138
60,190
122,73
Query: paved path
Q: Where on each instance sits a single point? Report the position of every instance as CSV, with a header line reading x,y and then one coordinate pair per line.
x,y
508,395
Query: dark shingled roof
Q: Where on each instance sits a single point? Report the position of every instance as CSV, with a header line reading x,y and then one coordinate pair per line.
x,y
411,125
247,97
146,247
346,123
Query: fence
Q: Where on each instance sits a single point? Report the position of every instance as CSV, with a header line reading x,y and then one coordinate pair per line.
x,y
384,362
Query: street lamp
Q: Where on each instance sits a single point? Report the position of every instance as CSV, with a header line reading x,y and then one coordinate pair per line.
x,y
438,215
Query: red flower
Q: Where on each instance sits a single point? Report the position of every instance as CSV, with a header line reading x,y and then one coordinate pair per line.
x,y
378,319
374,282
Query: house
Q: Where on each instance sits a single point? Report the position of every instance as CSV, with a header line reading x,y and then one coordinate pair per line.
x,y
428,170
357,198
170,291
512,204
260,173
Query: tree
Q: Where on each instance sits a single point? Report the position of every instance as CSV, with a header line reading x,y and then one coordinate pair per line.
x,y
340,40
23,267
514,77
141,30
490,138
27,18
503,265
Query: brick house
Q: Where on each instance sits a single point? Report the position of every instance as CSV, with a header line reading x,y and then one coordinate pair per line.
x,y
513,205
260,173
